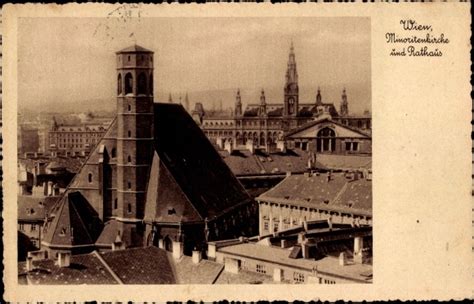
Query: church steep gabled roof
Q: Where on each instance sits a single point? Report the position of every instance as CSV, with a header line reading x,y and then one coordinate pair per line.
x,y
73,222
194,164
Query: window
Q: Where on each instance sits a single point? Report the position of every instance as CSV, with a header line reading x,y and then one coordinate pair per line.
x,y
355,146
141,84
129,159
114,153
129,108
89,177
327,281
22,227
129,208
261,268
115,204
298,277
33,227
129,184
265,226
129,133
119,84
128,83
275,226
348,146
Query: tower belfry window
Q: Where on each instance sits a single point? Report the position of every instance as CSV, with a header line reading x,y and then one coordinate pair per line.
x,y
129,159
128,83
129,108
129,133
119,84
141,83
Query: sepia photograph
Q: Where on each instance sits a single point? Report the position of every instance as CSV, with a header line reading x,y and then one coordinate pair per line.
x,y
194,150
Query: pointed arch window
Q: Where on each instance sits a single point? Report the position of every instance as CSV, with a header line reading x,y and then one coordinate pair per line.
x,y
128,83
142,83
89,177
119,84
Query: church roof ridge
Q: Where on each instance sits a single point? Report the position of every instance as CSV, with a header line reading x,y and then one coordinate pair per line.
x,y
134,49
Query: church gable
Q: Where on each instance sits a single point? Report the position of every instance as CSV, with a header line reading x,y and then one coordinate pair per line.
x,y
91,177
165,201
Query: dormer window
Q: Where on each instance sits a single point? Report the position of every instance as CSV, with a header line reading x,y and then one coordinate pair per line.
x,y
171,211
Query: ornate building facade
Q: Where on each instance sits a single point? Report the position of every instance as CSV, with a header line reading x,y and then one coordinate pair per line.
x,y
262,124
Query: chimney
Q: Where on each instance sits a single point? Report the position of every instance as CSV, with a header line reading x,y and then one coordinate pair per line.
x,y
55,190
29,263
300,238
64,259
249,145
50,188
305,249
342,259
228,146
197,256
220,142
281,145
45,188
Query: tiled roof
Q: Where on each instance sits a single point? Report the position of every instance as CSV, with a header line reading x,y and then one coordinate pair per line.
x,y
73,222
149,265
245,277
295,160
206,272
339,194
33,208
194,163
84,269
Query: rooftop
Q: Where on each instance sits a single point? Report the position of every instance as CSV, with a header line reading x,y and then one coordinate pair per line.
x,y
134,49
33,208
273,254
315,191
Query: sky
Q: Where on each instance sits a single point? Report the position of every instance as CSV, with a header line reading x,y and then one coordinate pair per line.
x,y
69,63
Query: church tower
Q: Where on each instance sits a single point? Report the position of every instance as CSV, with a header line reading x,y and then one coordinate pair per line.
x,y
238,104
344,104
263,104
291,86
135,131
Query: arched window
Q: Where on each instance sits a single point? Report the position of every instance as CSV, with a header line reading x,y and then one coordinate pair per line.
x,y
129,208
129,108
115,204
114,153
129,184
150,84
141,84
89,177
326,140
129,159
129,133
119,84
128,83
